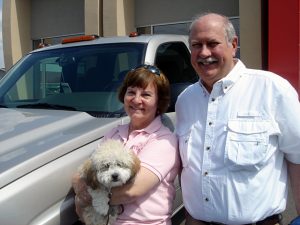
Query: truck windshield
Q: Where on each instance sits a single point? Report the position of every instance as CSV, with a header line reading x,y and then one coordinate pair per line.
x,y
81,78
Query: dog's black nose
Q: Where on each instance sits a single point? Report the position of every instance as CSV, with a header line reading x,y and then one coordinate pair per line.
x,y
115,177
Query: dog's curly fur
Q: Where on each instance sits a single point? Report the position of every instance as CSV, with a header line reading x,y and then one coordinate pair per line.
x,y
111,165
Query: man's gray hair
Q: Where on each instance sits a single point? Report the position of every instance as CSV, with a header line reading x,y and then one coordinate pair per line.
x,y
230,32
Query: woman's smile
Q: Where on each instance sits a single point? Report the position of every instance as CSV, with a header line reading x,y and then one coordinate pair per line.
x,y
141,105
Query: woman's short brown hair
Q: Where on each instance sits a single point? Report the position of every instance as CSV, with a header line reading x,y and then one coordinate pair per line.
x,y
141,77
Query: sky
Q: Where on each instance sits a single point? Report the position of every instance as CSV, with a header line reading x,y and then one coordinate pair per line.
x,y
1,43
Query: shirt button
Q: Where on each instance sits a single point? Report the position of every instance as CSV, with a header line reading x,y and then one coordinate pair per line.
x,y
210,123
205,173
207,148
213,99
206,199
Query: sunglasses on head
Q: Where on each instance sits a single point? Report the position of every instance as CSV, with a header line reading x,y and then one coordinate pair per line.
x,y
151,68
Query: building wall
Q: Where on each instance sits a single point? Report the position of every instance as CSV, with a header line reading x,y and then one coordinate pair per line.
x,y
170,11
15,30
27,20
283,40
250,33
118,17
93,17
56,17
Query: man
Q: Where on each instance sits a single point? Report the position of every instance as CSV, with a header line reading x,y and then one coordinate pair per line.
x,y
239,134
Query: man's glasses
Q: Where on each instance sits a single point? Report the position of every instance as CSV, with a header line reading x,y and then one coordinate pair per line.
x,y
151,68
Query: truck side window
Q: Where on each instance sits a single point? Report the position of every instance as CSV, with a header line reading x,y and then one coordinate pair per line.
x,y
173,59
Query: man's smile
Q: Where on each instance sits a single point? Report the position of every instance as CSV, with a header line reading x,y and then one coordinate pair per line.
x,y
207,61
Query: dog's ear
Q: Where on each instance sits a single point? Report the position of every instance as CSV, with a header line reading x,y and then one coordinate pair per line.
x,y
90,174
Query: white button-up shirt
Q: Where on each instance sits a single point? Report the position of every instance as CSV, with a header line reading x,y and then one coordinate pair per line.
x,y
233,142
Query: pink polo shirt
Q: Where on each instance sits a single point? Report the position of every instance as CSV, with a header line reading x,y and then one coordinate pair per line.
x,y
156,147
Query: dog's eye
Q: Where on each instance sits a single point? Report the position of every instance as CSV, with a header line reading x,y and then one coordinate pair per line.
x,y
120,164
105,166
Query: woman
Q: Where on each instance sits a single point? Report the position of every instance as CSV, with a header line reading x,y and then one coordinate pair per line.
x,y
145,93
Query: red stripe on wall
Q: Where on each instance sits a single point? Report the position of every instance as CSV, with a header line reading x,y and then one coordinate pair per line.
x,y
283,40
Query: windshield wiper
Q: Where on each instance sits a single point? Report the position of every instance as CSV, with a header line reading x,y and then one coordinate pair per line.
x,y
103,114
47,106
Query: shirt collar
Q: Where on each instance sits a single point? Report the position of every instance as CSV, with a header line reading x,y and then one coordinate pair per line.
x,y
151,128
233,76
229,80
204,90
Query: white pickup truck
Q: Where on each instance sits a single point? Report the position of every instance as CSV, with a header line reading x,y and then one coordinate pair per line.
x,y
56,103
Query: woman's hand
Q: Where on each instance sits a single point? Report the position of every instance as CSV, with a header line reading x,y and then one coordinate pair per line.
x,y
82,196
144,181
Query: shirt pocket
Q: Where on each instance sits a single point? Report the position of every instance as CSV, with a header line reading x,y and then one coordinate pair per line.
x,y
184,138
246,144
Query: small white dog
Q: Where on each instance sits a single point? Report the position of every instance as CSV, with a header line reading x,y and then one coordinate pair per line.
x,y
111,165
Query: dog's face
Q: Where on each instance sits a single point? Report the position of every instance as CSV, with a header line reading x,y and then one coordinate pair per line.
x,y
111,165
113,173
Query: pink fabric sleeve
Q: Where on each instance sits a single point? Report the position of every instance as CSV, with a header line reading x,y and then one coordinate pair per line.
x,y
160,155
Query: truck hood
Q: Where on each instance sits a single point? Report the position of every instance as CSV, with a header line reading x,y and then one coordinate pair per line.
x,y
30,138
